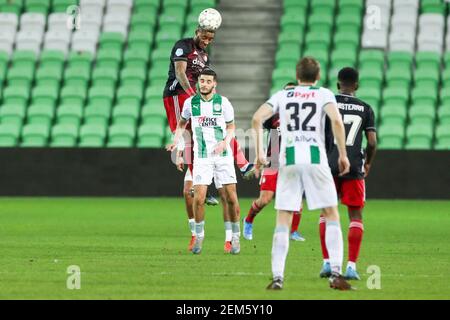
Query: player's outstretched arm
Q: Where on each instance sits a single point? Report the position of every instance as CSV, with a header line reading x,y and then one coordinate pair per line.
x,y
263,113
180,73
371,149
339,133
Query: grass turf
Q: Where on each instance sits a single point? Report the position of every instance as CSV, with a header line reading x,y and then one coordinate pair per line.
x,y
137,249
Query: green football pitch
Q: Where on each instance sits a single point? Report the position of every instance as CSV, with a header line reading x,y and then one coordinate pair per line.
x,y
137,249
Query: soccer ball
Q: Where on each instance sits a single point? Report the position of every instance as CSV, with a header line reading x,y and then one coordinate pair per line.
x,y
210,19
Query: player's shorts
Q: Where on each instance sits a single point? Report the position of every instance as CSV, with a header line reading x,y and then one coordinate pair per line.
x,y
221,169
268,180
188,177
352,192
174,106
315,180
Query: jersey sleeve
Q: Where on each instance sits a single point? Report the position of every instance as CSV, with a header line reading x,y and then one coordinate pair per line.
x,y
186,113
370,120
328,97
228,111
274,101
180,51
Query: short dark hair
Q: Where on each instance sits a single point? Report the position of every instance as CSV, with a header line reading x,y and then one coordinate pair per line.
x,y
290,84
209,72
202,29
308,69
348,76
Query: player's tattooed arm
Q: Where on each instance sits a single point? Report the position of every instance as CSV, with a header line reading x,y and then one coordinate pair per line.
x,y
263,113
371,149
180,73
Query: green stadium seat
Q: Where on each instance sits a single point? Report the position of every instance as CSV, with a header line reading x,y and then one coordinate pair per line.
x,y
370,94
35,135
391,136
422,114
371,77
73,95
424,76
49,75
168,20
9,6
446,59
284,75
69,114
20,76
134,58
444,115
445,97
295,4
341,58
318,41
393,114
104,77
169,35
41,114
348,22
347,41
126,114
109,58
136,77
424,95
433,6
150,136
443,137
64,135
130,95
371,59
12,114
152,111
400,59
142,6
396,96
398,77
62,5
345,4
16,95
419,136
9,135
147,20
321,23
97,114
77,77
24,58
291,38
323,6
426,60
101,96
37,6
293,20
446,78
154,91
45,95
161,55
121,135
80,60
111,41
92,135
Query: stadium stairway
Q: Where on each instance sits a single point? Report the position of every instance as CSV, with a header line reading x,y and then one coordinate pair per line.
x,y
243,53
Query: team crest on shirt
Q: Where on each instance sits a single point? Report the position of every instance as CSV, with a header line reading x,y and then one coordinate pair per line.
x,y
217,108
179,52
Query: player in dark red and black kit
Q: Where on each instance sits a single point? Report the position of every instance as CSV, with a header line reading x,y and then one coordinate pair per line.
x,y
188,58
358,117
268,183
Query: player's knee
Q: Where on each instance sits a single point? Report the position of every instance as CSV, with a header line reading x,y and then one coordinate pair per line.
x,y
265,199
331,213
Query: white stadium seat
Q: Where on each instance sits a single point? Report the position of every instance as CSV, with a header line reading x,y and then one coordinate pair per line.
x,y
8,22
58,21
116,23
92,6
400,41
58,40
85,41
118,6
29,40
406,3
7,41
32,22
400,20
91,21
431,21
374,39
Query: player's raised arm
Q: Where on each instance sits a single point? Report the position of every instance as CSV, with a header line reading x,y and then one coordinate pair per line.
x,y
339,133
263,113
180,73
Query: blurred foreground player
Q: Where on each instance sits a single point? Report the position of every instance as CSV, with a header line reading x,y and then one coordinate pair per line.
x,y
358,117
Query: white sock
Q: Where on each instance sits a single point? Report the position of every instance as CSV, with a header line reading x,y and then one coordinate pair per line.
x,y
280,248
236,229
192,226
228,231
335,245
200,229
351,265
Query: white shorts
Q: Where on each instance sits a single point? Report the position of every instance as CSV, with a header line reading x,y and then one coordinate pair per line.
x,y
221,169
315,180
188,177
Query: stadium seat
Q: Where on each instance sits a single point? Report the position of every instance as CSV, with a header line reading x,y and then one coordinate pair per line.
x,y
37,6
126,114
101,95
419,136
393,114
45,95
69,114
30,21
135,59
52,58
9,135
73,95
443,137
121,135
15,7
153,110
41,114
109,58
397,77
130,95
17,95
424,96
12,114
104,77
64,135
371,59
396,96
80,60
391,136
92,135
77,77
444,115
35,135
422,114
401,60
136,77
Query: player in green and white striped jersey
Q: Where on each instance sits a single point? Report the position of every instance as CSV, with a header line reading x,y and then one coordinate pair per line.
x,y
212,122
